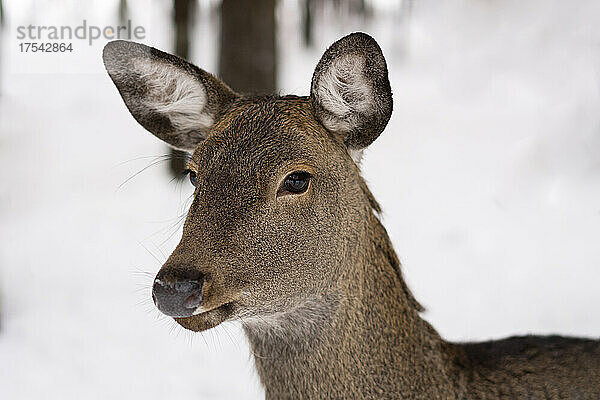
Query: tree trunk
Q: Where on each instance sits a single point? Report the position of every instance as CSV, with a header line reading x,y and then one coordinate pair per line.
x,y
183,16
248,56
307,22
183,19
122,11
1,28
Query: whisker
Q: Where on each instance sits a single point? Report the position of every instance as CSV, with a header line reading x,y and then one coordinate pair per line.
x,y
140,171
142,158
142,273
233,342
155,161
149,252
174,230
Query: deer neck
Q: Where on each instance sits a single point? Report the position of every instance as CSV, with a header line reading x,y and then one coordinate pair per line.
x,y
335,345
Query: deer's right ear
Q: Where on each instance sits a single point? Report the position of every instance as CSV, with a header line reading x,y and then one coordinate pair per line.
x,y
173,99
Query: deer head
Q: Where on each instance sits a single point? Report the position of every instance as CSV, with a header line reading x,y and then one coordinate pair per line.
x,y
280,209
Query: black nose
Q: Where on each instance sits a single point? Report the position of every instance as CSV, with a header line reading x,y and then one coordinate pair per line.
x,y
177,292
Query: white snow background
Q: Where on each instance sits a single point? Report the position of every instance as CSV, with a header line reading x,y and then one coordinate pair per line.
x,y
488,174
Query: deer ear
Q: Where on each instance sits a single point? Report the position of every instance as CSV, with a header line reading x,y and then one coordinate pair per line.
x,y
351,91
173,99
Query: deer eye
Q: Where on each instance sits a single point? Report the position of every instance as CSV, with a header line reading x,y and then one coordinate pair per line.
x,y
296,182
193,177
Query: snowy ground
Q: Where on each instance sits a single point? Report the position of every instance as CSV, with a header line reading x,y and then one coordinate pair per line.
x,y
489,175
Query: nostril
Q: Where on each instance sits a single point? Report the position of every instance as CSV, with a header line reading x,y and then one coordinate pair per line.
x,y
192,301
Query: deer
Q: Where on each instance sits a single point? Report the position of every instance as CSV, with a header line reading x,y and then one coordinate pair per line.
x,y
284,236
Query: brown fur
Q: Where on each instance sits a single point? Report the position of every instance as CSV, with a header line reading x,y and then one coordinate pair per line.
x,y
313,278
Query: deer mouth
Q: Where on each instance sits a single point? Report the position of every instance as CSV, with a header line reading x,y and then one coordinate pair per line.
x,y
207,319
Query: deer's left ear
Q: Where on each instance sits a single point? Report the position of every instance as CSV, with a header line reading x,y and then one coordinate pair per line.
x,y
351,91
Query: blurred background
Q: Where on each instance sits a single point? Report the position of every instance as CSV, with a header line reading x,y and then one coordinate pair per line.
x,y
488,174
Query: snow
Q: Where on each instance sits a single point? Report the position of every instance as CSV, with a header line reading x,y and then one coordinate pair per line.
x,y
488,174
